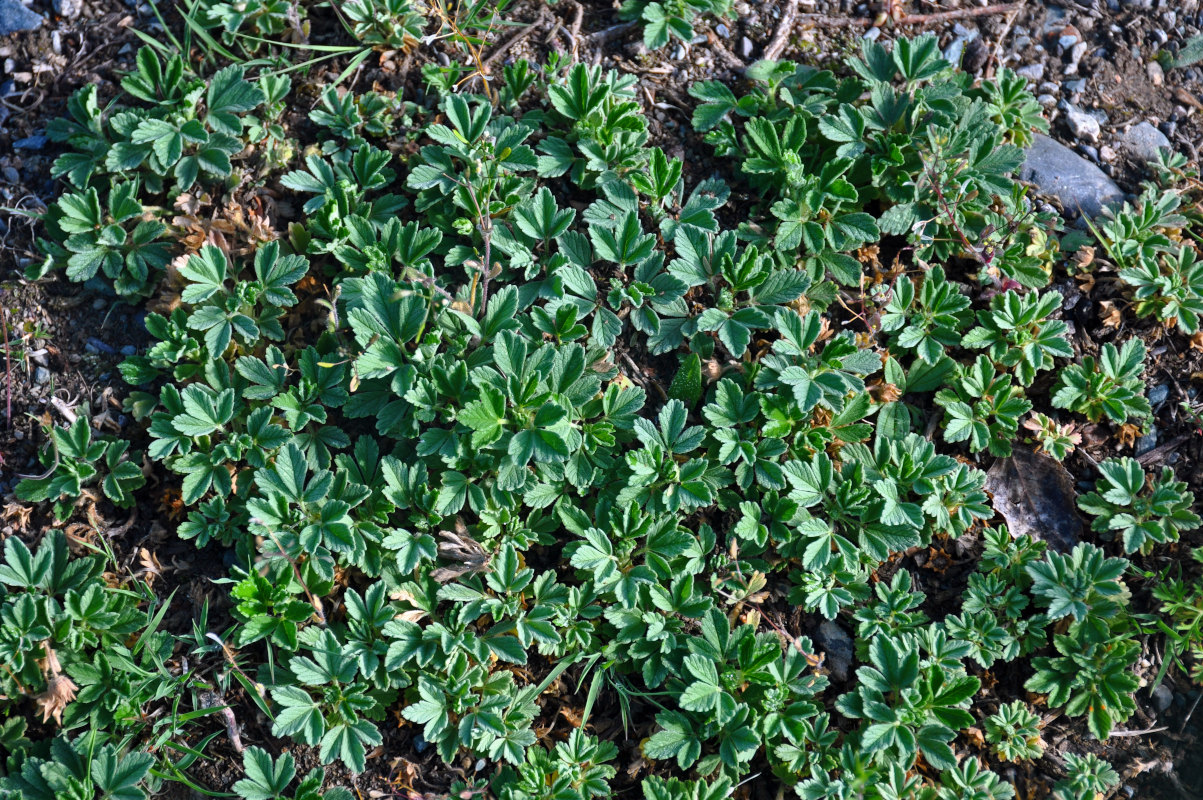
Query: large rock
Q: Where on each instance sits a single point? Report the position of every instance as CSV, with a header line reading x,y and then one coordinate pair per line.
x,y
1142,142
1081,187
15,17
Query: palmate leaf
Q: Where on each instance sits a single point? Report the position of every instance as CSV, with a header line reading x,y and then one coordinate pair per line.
x,y
228,96
206,272
118,777
264,779
299,715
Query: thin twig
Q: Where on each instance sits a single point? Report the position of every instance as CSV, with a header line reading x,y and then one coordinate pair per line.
x,y
515,38
726,56
1140,733
911,19
574,32
960,13
781,36
1154,455
8,373
996,56
606,34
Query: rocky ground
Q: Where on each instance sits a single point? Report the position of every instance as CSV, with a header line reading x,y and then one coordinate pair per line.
x,y
1099,69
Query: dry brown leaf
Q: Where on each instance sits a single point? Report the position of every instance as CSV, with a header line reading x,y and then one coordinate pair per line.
x,y
1036,496
60,690
51,703
468,554
1127,434
1196,340
17,515
151,568
1111,316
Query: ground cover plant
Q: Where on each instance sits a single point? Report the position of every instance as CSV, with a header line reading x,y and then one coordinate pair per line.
x,y
526,440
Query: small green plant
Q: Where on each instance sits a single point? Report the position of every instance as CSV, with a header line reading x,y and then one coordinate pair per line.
x,y
386,24
675,18
982,407
1109,386
1137,515
269,779
1014,732
74,461
117,242
1180,617
1087,776
1018,334
1056,439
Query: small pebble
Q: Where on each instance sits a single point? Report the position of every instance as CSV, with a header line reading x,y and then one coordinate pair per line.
x,y
41,376
1075,58
1089,151
1106,153
1082,124
99,346
1033,72
1146,443
1075,86
1046,100
1155,72
35,142
1162,698
1159,394
745,47
722,30
129,350
873,33
99,303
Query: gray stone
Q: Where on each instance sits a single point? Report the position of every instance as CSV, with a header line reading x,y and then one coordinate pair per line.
x,y
745,47
1146,443
873,33
722,30
1142,141
15,17
1034,72
1155,72
1075,57
836,644
954,51
1162,698
68,9
1046,100
1075,86
1082,124
1080,186
1159,394
99,346
129,350
41,375
35,142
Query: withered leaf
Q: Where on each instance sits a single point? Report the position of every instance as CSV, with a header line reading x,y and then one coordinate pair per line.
x,y
1036,496
467,553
